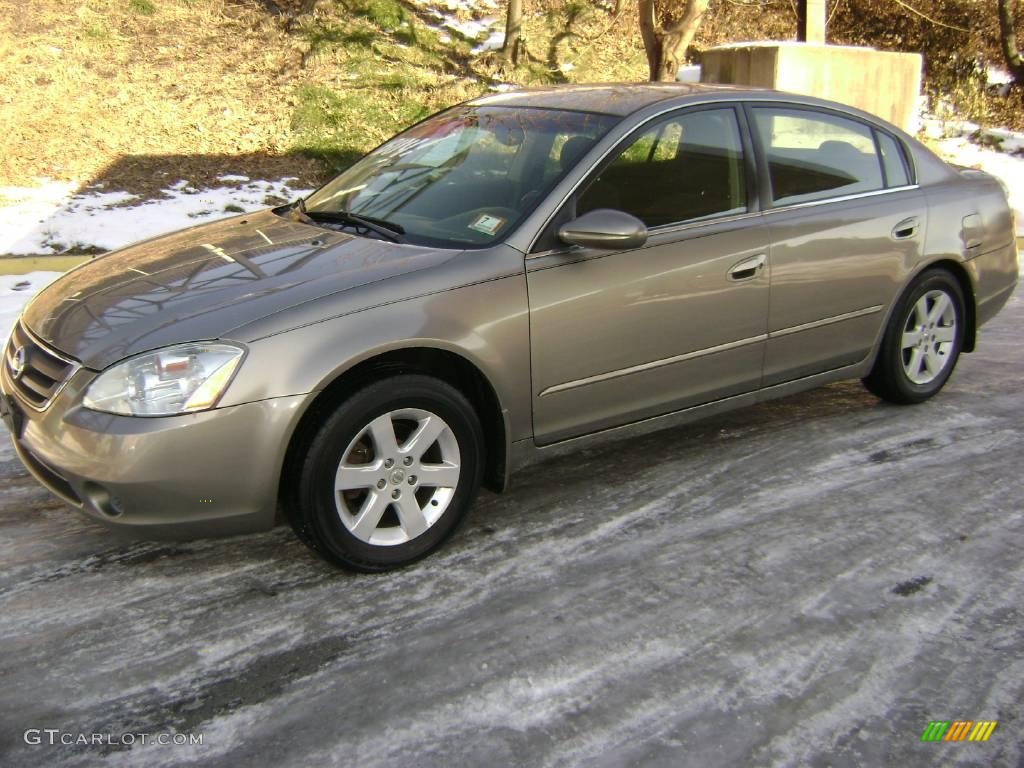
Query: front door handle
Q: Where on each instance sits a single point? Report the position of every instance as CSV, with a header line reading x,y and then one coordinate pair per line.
x,y
906,229
748,268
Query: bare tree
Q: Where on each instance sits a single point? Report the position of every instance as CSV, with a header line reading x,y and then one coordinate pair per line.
x,y
667,28
1008,37
511,50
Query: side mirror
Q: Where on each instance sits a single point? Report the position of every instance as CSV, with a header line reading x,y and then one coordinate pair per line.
x,y
605,228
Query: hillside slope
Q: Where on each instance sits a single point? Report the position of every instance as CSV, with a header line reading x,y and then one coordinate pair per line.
x,y
135,94
107,82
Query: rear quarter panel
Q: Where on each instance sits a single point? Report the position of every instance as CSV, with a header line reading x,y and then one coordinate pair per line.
x,y
972,223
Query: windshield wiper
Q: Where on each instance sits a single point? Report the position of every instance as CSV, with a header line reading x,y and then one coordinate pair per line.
x,y
297,211
389,225
386,229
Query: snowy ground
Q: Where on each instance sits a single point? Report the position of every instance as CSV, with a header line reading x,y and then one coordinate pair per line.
x,y
480,21
53,217
804,583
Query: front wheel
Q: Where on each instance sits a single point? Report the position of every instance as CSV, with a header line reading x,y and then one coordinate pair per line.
x,y
389,475
922,343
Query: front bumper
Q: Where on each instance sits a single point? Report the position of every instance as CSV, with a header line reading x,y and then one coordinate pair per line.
x,y
195,475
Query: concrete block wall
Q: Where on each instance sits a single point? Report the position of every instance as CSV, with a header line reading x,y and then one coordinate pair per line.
x,y
883,83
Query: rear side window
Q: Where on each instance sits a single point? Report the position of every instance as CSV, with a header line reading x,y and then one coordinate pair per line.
x,y
685,167
893,160
815,156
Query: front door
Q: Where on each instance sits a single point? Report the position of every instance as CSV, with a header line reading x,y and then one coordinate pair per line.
x,y
619,336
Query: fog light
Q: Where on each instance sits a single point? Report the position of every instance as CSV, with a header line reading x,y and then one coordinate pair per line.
x,y
102,501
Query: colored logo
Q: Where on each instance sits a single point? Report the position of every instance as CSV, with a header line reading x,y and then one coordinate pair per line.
x,y
958,730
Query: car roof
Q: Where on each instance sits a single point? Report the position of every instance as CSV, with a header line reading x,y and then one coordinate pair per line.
x,y
609,98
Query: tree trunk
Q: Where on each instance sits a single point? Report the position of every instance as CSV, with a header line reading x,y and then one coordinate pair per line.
x,y
512,47
666,46
649,34
1008,37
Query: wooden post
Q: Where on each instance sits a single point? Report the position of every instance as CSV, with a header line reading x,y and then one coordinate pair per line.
x,y
810,21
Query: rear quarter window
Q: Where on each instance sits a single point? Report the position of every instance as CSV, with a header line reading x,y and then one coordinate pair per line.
x,y
893,160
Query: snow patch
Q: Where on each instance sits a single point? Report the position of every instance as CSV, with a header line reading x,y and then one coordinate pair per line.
x,y
494,41
15,291
472,29
997,76
53,218
466,6
689,74
488,32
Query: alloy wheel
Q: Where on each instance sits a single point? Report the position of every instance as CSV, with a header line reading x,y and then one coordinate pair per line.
x,y
397,477
928,337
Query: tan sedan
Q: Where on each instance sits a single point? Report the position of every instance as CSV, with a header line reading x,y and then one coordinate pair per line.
x,y
512,278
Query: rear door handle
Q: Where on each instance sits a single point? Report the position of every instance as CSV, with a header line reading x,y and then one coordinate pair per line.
x,y
906,229
748,268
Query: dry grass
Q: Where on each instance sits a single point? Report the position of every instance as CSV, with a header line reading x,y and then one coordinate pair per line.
x,y
135,94
82,85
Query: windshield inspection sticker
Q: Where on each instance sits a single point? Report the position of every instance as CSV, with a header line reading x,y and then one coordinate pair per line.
x,y
487,224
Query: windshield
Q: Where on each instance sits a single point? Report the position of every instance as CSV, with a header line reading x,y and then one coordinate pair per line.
x,y
463,178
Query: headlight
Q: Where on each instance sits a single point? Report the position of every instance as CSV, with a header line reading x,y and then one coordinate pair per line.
x,y
180,379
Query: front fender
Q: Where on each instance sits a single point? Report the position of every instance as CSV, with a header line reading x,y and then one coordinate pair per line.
x,y
485,323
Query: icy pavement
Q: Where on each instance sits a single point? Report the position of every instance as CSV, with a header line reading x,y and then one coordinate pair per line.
x,y
804,583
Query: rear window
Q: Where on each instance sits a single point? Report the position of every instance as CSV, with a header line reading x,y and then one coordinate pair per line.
x,y
815,156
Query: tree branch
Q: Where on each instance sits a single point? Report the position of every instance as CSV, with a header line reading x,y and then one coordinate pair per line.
x,y
677,36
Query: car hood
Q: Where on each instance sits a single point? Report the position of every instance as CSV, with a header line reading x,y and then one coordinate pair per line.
x,y
200,283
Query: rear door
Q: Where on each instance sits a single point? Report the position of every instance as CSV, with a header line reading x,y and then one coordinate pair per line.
x,y
846,222
618,336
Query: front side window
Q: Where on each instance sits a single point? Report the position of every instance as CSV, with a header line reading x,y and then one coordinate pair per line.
x,y
463,178
815,156
682,168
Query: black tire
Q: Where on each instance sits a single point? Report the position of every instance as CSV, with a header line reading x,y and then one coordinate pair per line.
x,y
889,378
310,504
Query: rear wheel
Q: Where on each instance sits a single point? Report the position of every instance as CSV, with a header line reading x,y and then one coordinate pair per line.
x,y
389,475
922,343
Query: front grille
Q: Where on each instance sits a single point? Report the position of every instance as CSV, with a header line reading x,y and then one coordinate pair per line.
x,y
36,372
